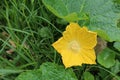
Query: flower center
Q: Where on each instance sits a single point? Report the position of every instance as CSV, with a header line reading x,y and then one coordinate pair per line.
x,y
74,46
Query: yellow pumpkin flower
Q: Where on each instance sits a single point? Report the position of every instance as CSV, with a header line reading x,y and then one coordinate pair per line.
x,y
77,46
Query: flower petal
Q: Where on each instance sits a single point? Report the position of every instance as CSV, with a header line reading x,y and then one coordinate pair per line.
x,y
88,56
74,25
87,38
71,59
60,45
77,46
75,59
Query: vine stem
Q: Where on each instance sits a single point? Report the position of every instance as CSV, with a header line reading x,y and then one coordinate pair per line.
x,y
106,71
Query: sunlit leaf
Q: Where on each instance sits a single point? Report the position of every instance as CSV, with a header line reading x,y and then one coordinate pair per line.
x,y
98,14
69,10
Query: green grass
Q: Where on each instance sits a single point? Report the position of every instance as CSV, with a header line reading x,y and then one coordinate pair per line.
x,y
32,29
23,21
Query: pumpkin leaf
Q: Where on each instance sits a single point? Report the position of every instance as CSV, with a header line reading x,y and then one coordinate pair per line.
x,y
48,71
98,14
88,76
106,58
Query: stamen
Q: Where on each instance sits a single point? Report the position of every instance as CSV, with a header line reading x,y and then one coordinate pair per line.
x,y
74,46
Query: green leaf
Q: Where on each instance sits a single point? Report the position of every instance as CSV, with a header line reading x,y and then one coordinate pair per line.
x,y
30,75
51,71
88,76
45,32
106,58
103,19
116,68
69,10
117,1
48,71
98,14
117,6
102,74
117,45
